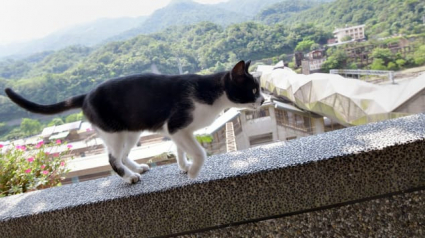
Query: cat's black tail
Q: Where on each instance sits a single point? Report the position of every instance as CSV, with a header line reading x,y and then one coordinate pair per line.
x,y
74,102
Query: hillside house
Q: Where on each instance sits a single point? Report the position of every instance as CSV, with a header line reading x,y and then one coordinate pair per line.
x,y
355,32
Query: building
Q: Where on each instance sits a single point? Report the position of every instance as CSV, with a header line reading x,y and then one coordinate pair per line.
x,y
68,131
313,61
275,121
360,54
355,32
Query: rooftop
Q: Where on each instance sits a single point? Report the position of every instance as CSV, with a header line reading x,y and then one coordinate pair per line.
x,y
349,101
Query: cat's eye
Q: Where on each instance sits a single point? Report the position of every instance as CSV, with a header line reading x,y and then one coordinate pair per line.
x,y
254,91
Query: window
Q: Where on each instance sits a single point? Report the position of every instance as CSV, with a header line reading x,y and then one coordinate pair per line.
x,y
237,125
293,120
251,115
261,139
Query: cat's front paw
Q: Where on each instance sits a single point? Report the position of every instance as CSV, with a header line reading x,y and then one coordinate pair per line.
x,y
185,167
133,178
141,168
193,171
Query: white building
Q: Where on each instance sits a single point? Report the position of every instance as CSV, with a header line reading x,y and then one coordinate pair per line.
x,y
355,32
275,121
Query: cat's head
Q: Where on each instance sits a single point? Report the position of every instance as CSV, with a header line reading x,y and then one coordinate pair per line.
x,y
242,88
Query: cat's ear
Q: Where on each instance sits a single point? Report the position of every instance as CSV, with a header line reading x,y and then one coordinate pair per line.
x,y
238,72
247,63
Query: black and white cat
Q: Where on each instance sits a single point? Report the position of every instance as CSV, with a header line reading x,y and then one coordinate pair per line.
x,y
175,105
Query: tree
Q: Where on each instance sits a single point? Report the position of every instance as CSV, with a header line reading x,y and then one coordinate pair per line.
x,y
74,117
400,63
304,45
14,134
56,122
346,38
3,127
391,66
314,46
419,55
30,126
353,66
336,60
384,54
378,64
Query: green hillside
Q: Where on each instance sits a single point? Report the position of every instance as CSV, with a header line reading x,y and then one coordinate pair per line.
x,y
280,12
382,17
183,13
201,48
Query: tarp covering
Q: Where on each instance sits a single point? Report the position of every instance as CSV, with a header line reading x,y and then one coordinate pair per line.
x,y
348,101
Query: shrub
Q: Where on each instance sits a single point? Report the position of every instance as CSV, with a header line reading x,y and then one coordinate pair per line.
x,y
74,117
419,56
29,168
346,38
400,63
378,64
391,66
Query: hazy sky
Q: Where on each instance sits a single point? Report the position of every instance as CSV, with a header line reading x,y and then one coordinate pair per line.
x,y
22,20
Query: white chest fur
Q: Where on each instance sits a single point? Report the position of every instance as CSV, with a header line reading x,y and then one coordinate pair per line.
x,y
204,115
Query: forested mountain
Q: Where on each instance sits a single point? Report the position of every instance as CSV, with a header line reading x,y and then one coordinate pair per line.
x,y
382,17
88,34
203,47
183,13
199,48
48,62
281,11
247,7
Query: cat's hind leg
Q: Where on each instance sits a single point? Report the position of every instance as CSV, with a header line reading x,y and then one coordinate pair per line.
x,y
187,142
115,144
131,139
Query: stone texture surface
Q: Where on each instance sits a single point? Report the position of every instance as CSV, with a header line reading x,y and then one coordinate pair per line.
x,y
400,215
272,180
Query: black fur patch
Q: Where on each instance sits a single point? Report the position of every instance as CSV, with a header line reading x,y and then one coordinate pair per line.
x,y
119,170
147,101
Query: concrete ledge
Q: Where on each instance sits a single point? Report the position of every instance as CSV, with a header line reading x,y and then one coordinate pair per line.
x,y
401,215
309,173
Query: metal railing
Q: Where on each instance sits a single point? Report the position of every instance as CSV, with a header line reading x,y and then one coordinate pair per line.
x,y
388,73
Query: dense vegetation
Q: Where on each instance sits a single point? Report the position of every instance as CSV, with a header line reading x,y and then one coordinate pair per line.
x,y
382,17
383,58
207,47
282,11
183,13
203,47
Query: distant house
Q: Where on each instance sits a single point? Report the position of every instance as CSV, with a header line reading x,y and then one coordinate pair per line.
x,y
68,131
313,61
331,41
355,32
275,121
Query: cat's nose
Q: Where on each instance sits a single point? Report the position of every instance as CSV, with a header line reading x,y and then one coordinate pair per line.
x,y
262,101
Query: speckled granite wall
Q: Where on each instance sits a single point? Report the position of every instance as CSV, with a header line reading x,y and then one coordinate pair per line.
x,y
401,215
273,180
